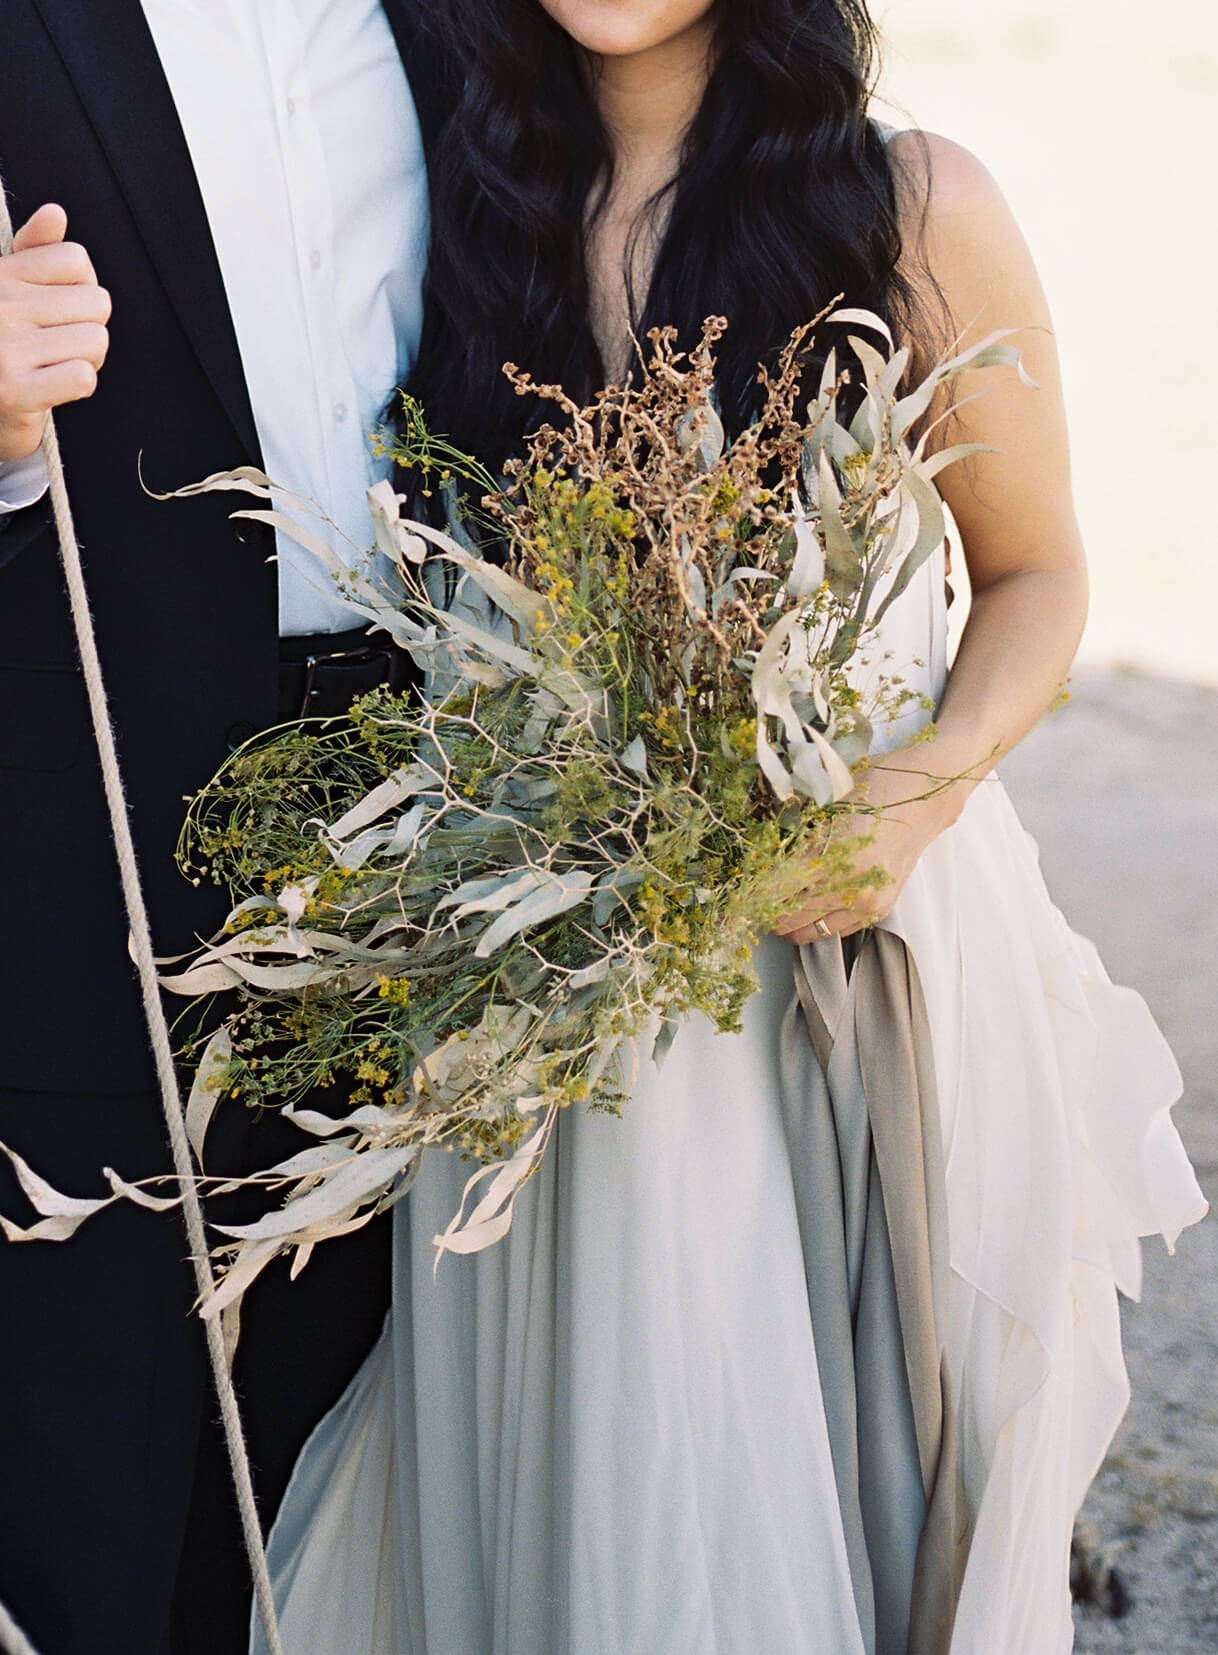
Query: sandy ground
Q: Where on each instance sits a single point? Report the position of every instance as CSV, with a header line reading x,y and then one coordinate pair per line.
x,y
1097,118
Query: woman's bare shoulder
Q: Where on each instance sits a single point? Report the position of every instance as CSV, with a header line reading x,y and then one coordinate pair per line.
x,y
956,223
938,179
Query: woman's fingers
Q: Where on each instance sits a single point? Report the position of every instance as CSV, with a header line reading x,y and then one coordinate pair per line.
x,y
840,922
825,914
884,844
805,924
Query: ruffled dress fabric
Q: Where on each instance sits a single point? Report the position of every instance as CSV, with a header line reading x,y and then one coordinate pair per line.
x,y
815,1350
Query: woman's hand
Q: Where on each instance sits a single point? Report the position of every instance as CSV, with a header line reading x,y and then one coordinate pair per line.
x,y
915,802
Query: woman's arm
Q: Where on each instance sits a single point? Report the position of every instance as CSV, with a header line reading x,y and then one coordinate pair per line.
x,y
1014,510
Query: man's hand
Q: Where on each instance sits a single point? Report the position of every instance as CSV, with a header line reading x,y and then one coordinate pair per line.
x,y
53,337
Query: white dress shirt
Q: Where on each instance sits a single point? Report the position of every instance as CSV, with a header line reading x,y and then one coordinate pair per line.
x,y
22,482
307,151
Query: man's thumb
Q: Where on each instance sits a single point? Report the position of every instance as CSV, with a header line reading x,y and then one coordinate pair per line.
x,y
48,225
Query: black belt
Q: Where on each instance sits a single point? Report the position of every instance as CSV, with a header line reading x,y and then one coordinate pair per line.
x,y
322,674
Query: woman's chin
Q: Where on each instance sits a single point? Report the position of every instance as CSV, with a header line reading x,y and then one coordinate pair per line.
x,y
625,28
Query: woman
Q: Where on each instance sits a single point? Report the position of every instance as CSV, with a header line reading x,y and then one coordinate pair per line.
x,y
815,1350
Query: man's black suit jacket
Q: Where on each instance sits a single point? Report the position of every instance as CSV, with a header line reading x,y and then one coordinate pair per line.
x,y
184,600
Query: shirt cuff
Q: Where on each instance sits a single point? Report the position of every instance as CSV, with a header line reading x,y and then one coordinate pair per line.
x,y
22,482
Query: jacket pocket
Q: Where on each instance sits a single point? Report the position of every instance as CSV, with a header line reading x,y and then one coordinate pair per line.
x,y
43,713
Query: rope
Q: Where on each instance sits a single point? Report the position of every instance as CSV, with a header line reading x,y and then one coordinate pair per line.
x,y
171,1098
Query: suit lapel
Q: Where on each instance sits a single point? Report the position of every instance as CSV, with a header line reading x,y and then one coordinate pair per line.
x,y
108,51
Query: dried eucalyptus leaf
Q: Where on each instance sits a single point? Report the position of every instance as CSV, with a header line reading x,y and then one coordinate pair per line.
x,y
492,893
841,781
207,1088
842,566
561,892
727,589
524,606
343,1187
614,890
700,433
944,457
932,527
200,979
662,1044
910,409
633,757
277,978
386,796
247,1265
139,1196
772,767
854,746
874,365
866,428
492,1216
245,479
312,542
46,1200
863,318
476,637
809,774
807,568
317,1158
396,539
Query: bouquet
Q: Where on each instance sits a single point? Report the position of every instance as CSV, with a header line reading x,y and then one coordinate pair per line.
x,y
644,714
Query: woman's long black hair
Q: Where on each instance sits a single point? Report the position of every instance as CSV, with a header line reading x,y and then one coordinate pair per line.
x,y
784,199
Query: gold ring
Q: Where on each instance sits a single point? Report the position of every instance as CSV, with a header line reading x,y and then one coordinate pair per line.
x,y
822,929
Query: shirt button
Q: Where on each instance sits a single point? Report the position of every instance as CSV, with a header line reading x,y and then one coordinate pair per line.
x,y
246,533
315,259
291,106
340,412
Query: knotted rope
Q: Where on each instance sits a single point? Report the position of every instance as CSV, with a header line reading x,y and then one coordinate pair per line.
x,y
11,1637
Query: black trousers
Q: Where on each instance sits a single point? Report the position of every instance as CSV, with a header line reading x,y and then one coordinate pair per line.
x,y
118,1530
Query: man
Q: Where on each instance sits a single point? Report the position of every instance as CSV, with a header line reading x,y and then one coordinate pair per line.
x,y
245,177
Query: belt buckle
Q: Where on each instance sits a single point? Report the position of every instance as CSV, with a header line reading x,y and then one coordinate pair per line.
x,y
310,673
306,692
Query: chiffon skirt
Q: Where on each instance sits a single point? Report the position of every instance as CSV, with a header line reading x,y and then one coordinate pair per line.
x,y
813,1352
